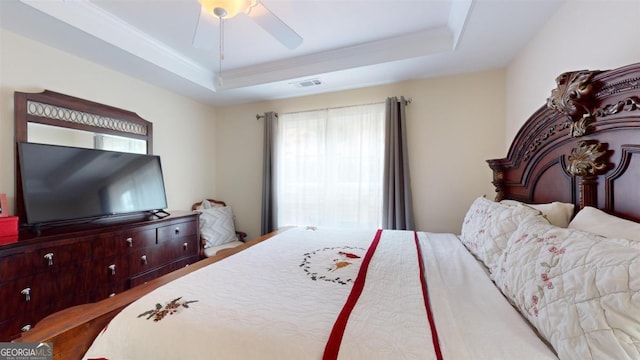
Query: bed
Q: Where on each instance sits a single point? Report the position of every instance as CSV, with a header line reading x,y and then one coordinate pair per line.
x,y
548,269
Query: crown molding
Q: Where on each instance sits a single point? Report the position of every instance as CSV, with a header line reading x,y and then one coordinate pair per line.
x,y
417,44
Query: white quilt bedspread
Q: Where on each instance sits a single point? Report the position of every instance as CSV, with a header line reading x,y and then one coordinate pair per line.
x,y
280,299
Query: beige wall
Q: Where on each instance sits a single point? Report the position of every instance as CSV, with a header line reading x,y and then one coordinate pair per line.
x,y
183,129
583,34
455,124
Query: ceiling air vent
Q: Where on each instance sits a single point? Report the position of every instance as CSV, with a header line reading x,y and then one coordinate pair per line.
x,y
307,83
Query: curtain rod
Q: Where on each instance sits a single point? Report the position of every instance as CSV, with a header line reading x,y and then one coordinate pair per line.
x,y
407,102
259,116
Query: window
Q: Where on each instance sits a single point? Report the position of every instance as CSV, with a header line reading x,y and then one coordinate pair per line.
x,y
329,167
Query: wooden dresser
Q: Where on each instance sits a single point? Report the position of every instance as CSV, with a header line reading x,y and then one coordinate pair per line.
x,y
72,265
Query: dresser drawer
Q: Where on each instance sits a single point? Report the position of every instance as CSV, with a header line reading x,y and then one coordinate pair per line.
x,y
58,257
15,266
107,245
101,292
142,278
146,259
164,252
136,239
26,295
43,260
176,231
58,287
12,328
108,270
181,247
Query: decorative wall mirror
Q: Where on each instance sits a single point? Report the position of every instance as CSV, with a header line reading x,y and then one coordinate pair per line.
x,y
53,118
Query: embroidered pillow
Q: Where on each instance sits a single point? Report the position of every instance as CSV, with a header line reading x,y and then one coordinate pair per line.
x,y
487,227
580,291
216,225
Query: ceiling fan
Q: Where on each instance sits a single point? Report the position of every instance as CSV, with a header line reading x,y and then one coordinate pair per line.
x,y
214,12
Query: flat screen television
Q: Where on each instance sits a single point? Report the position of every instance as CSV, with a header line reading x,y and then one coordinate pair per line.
x,y
68,184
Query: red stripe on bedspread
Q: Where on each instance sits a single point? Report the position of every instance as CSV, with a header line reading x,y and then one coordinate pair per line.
x,y
427,303
335,338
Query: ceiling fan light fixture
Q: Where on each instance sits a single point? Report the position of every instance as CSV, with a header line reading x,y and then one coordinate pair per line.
x,y
231,7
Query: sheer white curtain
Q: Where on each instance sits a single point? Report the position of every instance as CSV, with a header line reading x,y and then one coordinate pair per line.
x,y
329,167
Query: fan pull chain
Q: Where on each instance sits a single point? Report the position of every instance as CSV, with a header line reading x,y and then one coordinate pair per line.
x,y
220,82
221,39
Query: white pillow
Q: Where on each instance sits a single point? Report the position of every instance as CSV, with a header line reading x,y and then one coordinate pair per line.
x,y
581,293
216,225
487,227
599,222
558,213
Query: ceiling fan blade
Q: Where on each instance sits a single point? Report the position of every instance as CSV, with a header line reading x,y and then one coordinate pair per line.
x,y
274,26
206,33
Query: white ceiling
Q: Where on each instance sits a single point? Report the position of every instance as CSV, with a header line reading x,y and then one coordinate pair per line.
x,y
347,44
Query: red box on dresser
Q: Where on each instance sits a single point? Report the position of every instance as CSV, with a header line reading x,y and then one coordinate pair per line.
x,y
8,226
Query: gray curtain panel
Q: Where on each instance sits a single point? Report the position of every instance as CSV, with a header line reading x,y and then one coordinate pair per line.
x,y
269,221
397,206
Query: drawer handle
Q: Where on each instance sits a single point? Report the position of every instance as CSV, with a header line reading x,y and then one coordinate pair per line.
x,y
129,241
177,230
143,258
185,246
49,258
25,328
112,267
27,294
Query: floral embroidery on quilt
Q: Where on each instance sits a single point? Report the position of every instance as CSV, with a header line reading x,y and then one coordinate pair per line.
x,y
477,216
545,281
172,307
339,265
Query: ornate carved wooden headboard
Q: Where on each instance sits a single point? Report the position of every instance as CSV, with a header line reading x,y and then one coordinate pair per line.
x,y
582,147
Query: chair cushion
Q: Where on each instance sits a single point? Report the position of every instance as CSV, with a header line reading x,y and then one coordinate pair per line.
x,y
210,251
216,226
